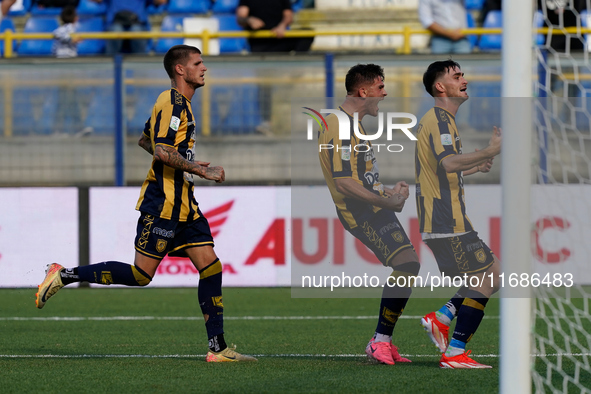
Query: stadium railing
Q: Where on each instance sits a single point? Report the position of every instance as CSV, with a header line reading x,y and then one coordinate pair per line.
x,y
407,32
8,36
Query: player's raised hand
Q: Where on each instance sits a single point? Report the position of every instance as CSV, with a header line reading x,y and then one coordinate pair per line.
x,y
495,141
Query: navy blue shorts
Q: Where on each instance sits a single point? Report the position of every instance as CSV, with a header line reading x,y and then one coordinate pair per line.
x,y
382,233
157,237
464,254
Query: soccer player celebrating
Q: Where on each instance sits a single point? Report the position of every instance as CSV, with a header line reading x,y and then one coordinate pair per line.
x,y
445,227
364,205
170,220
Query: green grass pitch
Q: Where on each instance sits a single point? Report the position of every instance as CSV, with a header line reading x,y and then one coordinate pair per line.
x,y
77,343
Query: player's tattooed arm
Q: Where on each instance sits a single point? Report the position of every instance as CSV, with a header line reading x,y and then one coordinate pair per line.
x,y
146,144
172,158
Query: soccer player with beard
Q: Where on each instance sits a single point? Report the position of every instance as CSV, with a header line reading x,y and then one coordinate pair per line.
x,y
439,169
170,220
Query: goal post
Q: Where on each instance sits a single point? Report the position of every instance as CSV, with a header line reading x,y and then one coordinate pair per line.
x,y
516,88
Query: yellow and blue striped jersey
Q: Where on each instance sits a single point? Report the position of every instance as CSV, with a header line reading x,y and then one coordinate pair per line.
x,y
349,158
440,195
167,192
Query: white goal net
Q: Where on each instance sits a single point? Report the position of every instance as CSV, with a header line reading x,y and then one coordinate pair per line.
x,y
561,199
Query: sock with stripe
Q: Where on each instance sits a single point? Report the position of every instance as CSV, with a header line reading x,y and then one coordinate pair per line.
x,y
210,301
469,317
107,273
450,310
394,299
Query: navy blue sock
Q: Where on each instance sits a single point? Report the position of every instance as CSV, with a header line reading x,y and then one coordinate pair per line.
x,y
469,316
450,310
113,272
394,298
210,301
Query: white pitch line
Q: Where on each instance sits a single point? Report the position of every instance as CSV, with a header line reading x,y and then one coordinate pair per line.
x,y
123,318
294,355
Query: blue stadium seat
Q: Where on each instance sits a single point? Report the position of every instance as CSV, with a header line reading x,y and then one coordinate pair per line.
x,y
16,11
6,24
472,37
91,47
234,109
188,6
156,10
141,100
484,105
475,5
539,22
224,6
170,23
38,24
230,45
101,113
297,5
89,7
45,11
585,22
35,109
492,42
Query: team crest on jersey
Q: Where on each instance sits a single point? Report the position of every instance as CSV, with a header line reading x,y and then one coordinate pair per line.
x,y
161,245
397,235
480,256
446,139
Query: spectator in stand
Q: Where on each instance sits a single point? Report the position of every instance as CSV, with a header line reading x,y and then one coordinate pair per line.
x,y
69,105
274,15
445,19
64,45
56,3
5,7
487,6
567,12
128,15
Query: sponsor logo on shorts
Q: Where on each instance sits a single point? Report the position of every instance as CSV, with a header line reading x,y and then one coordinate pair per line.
x,y
163,232
388,227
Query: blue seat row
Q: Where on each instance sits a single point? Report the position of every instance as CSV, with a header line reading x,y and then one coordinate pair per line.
x,y
234,109
494,19
47,24
89,7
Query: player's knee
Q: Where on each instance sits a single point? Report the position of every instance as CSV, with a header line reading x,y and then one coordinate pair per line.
x,y
141,277
407,271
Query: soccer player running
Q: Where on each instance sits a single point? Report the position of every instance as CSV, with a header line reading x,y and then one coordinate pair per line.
x,y
440,166
170,220
365,206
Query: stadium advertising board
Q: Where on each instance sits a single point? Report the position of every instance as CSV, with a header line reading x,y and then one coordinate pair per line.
x,y
38,226
254,228
250,226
